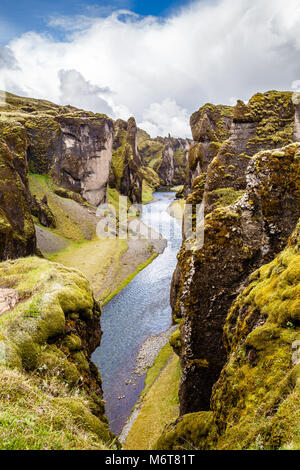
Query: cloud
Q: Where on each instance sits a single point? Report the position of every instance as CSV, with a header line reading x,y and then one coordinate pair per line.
x,y
75,90
295,86
164,118
7,59
205,52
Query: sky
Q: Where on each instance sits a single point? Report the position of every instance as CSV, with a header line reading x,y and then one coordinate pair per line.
x,y
158,61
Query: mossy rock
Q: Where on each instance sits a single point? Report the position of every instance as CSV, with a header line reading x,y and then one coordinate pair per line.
x,y
195,431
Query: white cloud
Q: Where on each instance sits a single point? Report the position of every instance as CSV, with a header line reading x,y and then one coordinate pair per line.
x,y
208,51
75,90
296,85
164,118
7,59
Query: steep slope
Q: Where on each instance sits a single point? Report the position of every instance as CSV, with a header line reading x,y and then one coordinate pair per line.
x,y
49,327
166,155
255,402
126,162
17,234
238,238
70,146
264,191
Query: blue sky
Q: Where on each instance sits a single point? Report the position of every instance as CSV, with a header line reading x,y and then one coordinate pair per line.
x,y
159,71
19,16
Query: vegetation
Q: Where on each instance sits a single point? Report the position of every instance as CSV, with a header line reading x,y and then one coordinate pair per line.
x,y
51,394
159,401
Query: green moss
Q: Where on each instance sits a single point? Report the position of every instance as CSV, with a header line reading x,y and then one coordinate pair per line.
x,y
257,390
63,395
175,341
72,342
159,364
68,219
225,197
194,431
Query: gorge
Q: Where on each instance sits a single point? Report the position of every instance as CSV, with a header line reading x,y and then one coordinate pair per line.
x,y
232,301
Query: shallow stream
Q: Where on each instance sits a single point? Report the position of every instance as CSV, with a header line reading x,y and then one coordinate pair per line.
x,y
140,310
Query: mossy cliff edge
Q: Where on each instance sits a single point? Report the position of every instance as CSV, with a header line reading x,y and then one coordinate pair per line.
x,y
252,205
255,402
51,395
167,156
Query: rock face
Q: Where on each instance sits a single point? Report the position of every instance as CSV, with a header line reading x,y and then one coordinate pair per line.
x,y
17,234
255,402
296,101
210,128
166,155
72,148
48,334
251,208
238,239
125,175
75,149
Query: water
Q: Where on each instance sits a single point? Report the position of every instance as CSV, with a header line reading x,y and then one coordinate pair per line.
x,y
140,310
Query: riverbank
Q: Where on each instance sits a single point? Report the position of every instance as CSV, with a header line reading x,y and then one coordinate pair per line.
x,y
108,264
158,403
141,310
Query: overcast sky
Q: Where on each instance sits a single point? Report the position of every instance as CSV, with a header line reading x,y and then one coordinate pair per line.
x,y
112,57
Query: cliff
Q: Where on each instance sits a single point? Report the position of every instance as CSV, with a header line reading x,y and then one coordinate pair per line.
x,y
251,207
49,327
125,173
17,233
166,155
72,147
255,402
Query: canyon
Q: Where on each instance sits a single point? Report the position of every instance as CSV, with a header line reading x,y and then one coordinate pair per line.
x,y
234,296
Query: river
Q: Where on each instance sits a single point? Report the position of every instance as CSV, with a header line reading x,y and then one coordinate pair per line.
x,y
140,310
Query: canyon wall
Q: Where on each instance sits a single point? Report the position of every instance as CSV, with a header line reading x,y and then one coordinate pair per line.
x,y
125,175
166,155
251,208
255,401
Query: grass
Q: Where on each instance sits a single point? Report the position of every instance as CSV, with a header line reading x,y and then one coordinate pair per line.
x,y
160,406
129,279
176,209
159,402
175,189
147,195
98,260
32,419
159,364
70,223
44,403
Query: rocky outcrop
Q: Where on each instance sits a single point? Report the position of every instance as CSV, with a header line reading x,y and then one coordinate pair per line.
x,y
72,147
227,137
17,234
238,239
166,155
75,149
47,336
296,101
41,210
210,128
255,402
126,164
